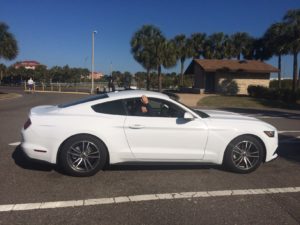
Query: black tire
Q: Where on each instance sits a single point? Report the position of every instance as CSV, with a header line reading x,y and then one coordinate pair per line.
x,y
82,155
244,154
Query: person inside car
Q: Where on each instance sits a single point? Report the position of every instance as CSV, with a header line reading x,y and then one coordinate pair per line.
x,y
144,108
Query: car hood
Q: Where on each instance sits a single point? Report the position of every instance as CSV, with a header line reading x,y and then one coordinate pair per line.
x,y
234,120
218,114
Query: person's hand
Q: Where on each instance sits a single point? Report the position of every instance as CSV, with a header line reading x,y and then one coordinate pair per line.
x,y
144,109
144,99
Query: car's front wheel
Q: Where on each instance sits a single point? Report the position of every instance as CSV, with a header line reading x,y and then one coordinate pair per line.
x,y
83,155
244,154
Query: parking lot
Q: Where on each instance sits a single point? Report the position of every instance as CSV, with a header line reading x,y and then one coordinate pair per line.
x,y
32,193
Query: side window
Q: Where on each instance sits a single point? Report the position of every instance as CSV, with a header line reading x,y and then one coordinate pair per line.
x,y
166,109
112,107
132,106
155,108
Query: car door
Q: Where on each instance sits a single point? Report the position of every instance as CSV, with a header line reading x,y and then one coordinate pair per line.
x,y
165,135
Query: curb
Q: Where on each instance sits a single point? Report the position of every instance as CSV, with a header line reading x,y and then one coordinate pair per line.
x,y
59,92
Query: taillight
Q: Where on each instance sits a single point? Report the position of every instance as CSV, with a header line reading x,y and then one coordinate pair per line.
x,y
27,124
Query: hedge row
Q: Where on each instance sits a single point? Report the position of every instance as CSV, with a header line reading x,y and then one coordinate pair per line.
x,y
285,84
285,95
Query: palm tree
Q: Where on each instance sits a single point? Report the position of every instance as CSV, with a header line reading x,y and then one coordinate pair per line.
x,y
240,44
258,50
142,47
228,47
3,69
165,55
292,23
276,43
208,52
196,43
183,51
8,43
217,41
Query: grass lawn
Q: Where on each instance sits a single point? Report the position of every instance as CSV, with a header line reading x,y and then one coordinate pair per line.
x,y
243,102
8,95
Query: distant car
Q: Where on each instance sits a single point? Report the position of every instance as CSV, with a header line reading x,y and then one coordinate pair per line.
x,y
85,135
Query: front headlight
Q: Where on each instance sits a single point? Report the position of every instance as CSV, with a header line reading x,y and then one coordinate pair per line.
x,y
270,133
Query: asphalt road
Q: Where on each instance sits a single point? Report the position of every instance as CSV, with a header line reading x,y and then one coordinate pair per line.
x,y
25,182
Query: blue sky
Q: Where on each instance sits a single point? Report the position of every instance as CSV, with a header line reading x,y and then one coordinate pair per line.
x,y
57,32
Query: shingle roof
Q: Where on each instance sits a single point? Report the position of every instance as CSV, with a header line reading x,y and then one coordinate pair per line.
x,y
212,65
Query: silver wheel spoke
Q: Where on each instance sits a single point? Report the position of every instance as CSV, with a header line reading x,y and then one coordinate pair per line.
x,y
93,157
247,159
87,148
253,154
237,152
89,163
237,159
93,153
75,150
83,156
85,166
248,146
246,164
240,162
79,160
74,154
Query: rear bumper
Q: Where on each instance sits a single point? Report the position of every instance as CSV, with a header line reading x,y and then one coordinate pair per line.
x,y
34,160
35,152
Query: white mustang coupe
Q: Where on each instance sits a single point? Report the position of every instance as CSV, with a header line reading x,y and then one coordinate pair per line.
x,y
140,126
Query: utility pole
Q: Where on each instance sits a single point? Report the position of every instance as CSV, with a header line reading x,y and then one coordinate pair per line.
x,y
93,46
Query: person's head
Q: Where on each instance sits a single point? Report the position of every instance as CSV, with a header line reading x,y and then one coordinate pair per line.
x,y
144,99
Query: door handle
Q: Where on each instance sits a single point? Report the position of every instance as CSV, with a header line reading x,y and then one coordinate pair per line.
x,y
136,126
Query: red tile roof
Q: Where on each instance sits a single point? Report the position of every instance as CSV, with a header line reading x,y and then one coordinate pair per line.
x,y
254,66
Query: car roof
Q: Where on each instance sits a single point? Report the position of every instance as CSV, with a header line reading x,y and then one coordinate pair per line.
x,y
110,96
136,93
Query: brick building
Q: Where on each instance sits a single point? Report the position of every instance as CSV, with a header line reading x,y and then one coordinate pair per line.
x,y
27,64
209,73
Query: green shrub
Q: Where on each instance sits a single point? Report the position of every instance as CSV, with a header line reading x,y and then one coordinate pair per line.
x,y
285,84
283,94
228,87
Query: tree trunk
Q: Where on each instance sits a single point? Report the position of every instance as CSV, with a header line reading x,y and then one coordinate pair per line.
x,y
279,72
181,72
239,56
148,79
295,70
299,80
159,77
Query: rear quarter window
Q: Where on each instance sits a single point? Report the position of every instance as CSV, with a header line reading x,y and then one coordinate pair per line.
x,y
83,100
112,107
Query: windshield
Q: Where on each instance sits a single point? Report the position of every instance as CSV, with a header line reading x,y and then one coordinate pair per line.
x,y
198,112
83,100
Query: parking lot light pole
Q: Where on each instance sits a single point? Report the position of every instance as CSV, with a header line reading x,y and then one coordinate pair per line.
x,y
93,46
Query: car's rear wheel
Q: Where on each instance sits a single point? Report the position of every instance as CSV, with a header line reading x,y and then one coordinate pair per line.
x,y
83,155
244,154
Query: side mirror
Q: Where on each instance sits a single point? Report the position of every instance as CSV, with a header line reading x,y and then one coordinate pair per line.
x,y
188,116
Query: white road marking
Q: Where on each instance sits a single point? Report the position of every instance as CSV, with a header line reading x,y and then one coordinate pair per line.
x,y
142,198
15,143
288,131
